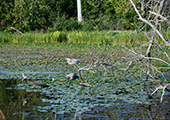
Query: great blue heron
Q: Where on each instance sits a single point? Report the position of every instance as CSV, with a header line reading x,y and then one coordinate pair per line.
x,y
73,61
72,76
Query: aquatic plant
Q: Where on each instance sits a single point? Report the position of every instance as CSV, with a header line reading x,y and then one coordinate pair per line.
x,y
45,63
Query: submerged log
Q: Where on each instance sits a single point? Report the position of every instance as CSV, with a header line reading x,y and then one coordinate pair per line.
x,y
33,83
85,84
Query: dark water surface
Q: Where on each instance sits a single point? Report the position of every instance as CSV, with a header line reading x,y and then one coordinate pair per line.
x,y
114,95
12,107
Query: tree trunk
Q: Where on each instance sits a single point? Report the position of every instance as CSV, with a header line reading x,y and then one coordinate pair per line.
x,y
79,11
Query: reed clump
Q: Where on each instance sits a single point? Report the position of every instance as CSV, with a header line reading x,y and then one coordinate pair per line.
x,y
87,37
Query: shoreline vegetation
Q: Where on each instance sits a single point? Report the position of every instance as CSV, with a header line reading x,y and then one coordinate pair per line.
x,y
87,37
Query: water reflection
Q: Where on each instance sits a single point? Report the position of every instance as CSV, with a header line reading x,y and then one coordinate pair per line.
x,y
27,97
14,102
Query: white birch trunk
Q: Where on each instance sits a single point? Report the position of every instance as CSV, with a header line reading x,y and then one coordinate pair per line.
x,y
79,11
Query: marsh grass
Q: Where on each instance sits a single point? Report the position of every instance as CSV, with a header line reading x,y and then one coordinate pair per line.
x,y
87,37
23,116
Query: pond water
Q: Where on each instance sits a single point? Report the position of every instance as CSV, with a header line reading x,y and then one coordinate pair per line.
x,y
112,95
13,107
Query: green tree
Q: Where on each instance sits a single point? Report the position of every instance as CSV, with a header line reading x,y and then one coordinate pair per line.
x,y
6,7
124,13
98,15
62,14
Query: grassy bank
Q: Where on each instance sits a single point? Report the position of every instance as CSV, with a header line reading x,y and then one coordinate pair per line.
x,y
93,37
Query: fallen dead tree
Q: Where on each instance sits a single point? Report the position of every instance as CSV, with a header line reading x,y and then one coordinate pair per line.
x,y
156,15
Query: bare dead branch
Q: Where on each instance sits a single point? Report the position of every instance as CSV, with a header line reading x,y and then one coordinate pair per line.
x,y
85,84
127,68
85,68
153,22
93,4
151,76
153,58
168,33
153,67
163,87
77,115
150,24
33,83
16,30
164,19
161,48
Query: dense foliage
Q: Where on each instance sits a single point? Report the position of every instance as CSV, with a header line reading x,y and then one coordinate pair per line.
x,y
62,15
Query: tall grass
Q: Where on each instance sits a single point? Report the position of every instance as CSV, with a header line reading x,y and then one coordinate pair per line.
x,y
92,37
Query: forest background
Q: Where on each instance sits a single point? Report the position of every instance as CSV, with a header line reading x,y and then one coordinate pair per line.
x,y
61,15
